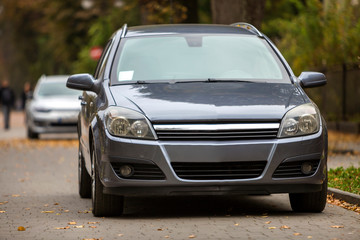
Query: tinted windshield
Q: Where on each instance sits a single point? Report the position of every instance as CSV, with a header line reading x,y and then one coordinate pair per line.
x,y
55,88
197,56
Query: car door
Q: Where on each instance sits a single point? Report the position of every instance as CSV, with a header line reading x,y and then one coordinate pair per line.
x,y
88,106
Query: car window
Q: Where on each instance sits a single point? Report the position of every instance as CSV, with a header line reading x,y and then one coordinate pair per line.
x,y
103,59
198,56
55,88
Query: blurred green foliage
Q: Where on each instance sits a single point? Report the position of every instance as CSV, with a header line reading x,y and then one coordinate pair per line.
x,y
315,34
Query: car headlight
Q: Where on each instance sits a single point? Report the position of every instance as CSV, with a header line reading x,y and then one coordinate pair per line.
x,y
123,122
299,121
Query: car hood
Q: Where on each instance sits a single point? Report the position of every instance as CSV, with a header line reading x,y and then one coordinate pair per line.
x,y
71,103
209,101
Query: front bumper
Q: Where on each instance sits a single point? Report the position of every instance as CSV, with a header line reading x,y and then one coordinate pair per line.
x,y
164,153
53,122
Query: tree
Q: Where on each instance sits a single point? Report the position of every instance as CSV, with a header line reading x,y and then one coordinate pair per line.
x,y
231,11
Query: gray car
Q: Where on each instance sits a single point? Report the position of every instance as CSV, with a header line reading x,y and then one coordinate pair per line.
x,y
198,110
53,108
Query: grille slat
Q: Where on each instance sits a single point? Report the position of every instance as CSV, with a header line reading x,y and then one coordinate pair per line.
x,y
293,169
228,131
218,171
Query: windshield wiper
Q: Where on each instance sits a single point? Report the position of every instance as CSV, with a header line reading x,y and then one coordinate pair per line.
x,y
228,80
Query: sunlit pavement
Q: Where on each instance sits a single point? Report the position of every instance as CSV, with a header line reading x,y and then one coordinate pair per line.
x,y
38,194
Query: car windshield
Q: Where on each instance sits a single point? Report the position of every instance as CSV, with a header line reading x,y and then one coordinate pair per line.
x,y
55,88
198,57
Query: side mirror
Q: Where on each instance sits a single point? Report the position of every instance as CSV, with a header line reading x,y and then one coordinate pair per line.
x,y
312,79
83,81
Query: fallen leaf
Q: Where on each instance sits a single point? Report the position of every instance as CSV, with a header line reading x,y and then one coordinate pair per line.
x,y
27,208
21,228
2,211
46,205
264,216
58,214
268,222
159,229
285,227
56,203
236,224
80,226
337,226
120,235
86,211
47,211
67,227
166,236
93,222
92,239
5,202
309,237
92,226
271,227
297,234
15,195
66,210
72,223
192,236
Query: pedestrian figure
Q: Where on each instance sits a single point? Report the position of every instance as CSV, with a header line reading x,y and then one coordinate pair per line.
x,y
26,93
7,99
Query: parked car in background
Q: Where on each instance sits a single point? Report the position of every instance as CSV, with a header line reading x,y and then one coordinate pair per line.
x,y
198,109
53,108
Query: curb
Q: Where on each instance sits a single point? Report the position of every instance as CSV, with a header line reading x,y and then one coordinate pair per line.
x,y
346,196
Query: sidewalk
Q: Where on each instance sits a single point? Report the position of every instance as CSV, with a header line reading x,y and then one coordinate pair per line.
x,y
17,126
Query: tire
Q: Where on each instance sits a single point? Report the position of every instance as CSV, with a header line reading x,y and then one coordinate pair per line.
x,y
31,134
84,177
309,202
103,205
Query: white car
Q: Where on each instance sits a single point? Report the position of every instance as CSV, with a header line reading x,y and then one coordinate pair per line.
x,y
53,108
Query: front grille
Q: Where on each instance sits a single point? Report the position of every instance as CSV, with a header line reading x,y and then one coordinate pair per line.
x,y
293,169
219,171
216,131
142,171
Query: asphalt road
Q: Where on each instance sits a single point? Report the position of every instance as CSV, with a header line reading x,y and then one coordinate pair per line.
x,y
38,191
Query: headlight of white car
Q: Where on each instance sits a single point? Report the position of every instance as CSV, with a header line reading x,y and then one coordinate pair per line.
x,y
124,122
299,121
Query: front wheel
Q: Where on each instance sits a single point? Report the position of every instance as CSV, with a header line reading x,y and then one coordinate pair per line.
x,y
84,177
309,202
103,204
31,134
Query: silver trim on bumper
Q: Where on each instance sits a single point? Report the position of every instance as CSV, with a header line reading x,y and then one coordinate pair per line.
x,y
215,127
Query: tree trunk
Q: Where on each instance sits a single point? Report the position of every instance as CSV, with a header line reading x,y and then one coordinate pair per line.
x,y
231,11
192,11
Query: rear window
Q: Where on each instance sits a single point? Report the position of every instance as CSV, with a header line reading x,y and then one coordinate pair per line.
x,y
55,88
197,57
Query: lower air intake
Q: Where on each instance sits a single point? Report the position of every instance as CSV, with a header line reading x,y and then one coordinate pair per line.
x,y
219,171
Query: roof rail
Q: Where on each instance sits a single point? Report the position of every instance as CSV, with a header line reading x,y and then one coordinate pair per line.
x,y
124,30
249,27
